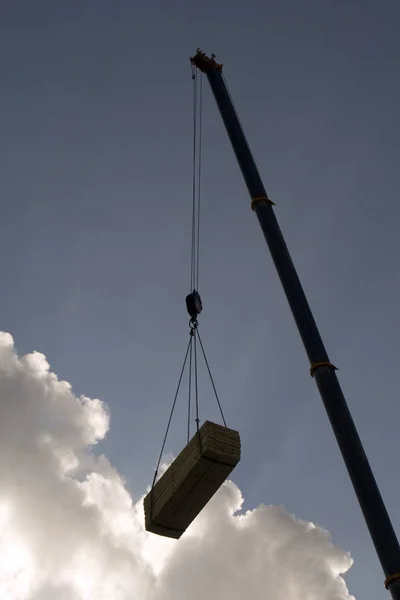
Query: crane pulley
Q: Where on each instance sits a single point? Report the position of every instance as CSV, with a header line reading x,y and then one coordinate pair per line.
x,y
194,305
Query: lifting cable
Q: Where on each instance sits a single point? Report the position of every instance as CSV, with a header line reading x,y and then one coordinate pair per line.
x,y
196,179
194,304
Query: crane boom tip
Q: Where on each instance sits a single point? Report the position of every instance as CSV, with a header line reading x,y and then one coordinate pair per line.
x,y
205,63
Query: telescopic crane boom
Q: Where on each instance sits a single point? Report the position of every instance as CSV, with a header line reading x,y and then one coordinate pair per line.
x,y
321,369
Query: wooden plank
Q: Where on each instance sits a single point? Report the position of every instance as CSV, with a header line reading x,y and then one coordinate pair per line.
x,y
191,480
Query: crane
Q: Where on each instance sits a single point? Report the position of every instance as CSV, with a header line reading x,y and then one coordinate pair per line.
x,y
321,369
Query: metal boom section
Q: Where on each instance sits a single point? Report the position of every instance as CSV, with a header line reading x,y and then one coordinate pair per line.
x,y
321,369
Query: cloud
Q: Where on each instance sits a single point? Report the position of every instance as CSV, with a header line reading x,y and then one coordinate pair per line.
x,y
70,530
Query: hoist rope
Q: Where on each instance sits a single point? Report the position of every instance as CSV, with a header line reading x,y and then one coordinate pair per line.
x,y
172,410
190,385
194,333
191,351
195,254
199,178
196,383
194,189
195,251
196,179
212,379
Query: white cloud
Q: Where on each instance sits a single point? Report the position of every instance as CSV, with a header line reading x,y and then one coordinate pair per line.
x,y
69,529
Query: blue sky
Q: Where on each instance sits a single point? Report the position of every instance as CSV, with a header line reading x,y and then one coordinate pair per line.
x,y
95,229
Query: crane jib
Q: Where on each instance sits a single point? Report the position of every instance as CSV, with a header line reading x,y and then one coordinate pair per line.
x,y
362,478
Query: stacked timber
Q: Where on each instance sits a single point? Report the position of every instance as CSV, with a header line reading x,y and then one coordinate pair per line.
x,y
191,480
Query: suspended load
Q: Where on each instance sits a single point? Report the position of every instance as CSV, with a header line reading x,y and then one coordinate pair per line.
x,y
191,480
209,457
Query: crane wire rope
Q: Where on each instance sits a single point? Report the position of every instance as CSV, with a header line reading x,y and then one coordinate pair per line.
x,y
195,257
191,350
190,386
196,179
212,380
195,251
199,179
196,382
172,411
194,157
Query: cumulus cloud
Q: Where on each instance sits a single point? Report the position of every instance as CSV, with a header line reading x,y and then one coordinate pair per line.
x,y
70,530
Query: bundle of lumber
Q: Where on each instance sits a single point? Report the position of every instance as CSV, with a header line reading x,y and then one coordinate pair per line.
x,y
191,480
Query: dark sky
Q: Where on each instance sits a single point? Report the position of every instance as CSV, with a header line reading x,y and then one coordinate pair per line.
x,y
96,134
